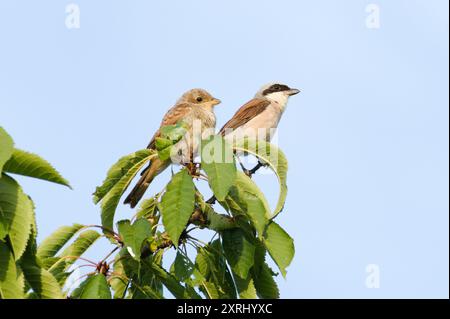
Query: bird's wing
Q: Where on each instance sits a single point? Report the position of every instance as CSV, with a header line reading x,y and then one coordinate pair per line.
x,y
247,112
172,117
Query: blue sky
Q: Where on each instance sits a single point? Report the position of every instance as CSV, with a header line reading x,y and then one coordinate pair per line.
x,y
367,140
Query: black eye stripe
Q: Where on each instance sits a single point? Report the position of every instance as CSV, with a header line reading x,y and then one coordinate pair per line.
x,y
276,88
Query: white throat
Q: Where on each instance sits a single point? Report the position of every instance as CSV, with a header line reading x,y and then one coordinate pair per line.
x,y
280,98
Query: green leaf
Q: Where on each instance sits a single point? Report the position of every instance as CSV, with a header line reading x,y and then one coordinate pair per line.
x,y
119,280
164,147
182,267
10,286
218,281
245,287
32,165
246,198
53,243
133,236
95,287
144,283
265,285
171,283
239,251
276,160
174,132
70,255
148,208
119,170
177,204
170,135
137,291
280,246
4,224
17,211
6,147
85,240
218,163
112,198
42,281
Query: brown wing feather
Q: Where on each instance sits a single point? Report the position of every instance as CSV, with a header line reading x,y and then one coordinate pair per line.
x,y
247,112
171,118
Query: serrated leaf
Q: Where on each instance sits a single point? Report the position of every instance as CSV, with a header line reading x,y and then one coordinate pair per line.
x,y
43,283
94,287
182,267
245,287
239,251
134,235
279,245
177,204
246,198
265,285
17,210
85,240
119,280
218,163
170,135
6,147
164,147
144,292
218,281
70,255
174,132
10,286
147,208
112,198
210,290
276,160
53,243
171,283
32,165
4,224
118,170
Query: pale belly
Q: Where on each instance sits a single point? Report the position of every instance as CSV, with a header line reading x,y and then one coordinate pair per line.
x,y
187,148
262,127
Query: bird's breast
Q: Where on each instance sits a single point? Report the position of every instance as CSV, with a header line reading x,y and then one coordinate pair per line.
x,y
261,127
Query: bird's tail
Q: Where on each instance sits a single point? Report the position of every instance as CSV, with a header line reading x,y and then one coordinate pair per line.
x,y
156,167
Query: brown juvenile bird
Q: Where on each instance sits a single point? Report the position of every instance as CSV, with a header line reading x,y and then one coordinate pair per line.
x,y
195,110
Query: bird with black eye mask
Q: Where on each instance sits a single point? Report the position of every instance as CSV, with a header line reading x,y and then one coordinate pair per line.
x,y
258,118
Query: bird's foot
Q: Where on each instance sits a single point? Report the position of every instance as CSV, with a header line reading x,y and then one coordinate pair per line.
x,y
193,168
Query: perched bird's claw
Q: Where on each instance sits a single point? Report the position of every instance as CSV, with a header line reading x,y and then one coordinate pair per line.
x,y
193,169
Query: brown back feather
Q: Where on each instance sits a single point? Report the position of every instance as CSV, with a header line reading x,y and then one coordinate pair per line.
x,y
247,112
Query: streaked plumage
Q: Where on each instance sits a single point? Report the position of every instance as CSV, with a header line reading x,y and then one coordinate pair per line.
x,y
194,108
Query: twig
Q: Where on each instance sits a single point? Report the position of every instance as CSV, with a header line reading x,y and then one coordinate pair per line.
x,y
247,172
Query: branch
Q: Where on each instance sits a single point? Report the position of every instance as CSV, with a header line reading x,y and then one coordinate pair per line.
x,y
212,220
247,172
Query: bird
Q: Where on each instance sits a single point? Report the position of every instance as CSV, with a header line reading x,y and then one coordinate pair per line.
x,y
259,117
195,110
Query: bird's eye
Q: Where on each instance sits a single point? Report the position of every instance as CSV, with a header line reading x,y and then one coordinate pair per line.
x,y
276,88
199,99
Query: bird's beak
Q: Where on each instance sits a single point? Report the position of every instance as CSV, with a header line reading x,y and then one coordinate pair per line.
x,y
216,101
293,92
